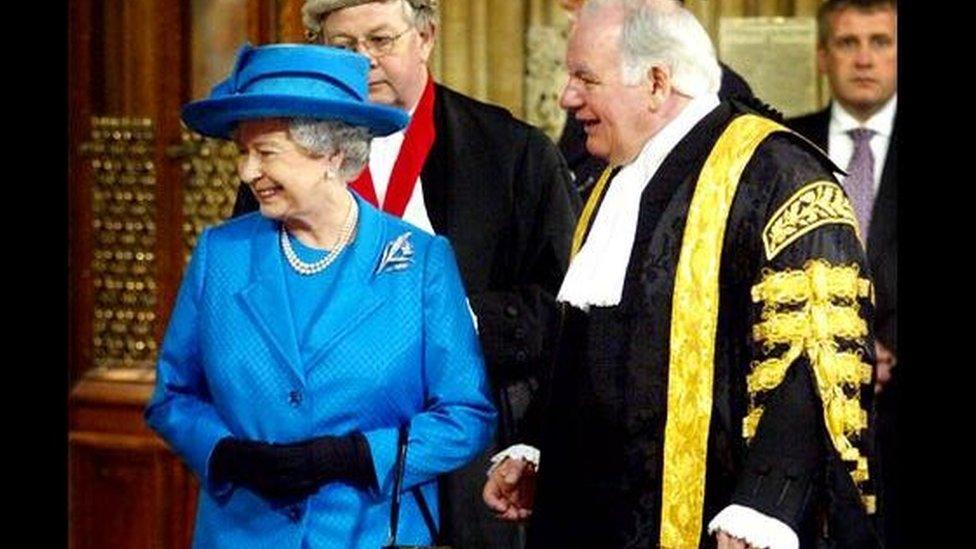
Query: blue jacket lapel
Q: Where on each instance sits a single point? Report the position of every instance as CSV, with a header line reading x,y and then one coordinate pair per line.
x,y
355,296
266,299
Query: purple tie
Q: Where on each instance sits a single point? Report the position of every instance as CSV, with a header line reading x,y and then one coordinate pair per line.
x,y
859,182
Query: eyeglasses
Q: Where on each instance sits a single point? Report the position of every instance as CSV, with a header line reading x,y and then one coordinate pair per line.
x,y
377,45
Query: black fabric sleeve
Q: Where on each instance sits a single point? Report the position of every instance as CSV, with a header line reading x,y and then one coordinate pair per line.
x,y
517,325
793,466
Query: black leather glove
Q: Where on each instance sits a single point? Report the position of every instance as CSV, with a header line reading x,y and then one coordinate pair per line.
x,y
295,470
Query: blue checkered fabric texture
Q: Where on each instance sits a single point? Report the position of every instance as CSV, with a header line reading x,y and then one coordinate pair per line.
x,y
382,348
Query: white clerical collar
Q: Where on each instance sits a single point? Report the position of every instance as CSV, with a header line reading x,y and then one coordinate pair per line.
x,y
596,274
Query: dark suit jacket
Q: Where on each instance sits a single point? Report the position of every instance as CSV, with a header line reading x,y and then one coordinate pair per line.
x,y
882,244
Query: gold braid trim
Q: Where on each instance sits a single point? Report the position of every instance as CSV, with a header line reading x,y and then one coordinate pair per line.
x,y
817,281
860,473
817,321
808,310
769,373
814,205
751,422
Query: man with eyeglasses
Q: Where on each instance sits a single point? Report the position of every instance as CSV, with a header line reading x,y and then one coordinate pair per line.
x,y
496,187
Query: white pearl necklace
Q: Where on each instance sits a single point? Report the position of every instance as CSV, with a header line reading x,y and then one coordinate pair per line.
x,y
345,235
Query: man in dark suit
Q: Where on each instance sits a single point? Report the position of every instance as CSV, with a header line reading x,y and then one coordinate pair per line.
x,y
858,51
496,187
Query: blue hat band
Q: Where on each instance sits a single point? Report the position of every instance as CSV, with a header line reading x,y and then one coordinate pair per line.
x,y
345,69
302,84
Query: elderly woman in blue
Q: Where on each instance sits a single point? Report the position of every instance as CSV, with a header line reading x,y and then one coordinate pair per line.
x,y
305,335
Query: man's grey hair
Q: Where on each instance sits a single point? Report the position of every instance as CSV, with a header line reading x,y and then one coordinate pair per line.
x,y
322,137
421,13
663,33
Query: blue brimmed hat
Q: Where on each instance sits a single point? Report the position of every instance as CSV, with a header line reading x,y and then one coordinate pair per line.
x,y
293,81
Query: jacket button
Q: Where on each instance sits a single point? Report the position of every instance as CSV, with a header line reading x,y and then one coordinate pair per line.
x,y
511,311
519,333
295,398
520,357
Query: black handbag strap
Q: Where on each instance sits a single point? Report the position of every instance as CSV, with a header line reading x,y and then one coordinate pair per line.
x,y
398,468
425,511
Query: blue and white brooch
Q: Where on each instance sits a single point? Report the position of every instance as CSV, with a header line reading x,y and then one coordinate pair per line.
x,y
397,255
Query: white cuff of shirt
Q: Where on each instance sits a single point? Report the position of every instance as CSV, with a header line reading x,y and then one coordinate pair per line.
x,y
759,530
517,451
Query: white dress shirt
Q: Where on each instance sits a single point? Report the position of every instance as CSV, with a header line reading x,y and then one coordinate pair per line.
x,y
840,145
382,157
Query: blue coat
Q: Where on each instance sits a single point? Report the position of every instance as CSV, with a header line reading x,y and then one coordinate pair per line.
x,y
392,347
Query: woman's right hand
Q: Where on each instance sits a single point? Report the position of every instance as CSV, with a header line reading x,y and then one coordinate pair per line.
x,y
295,470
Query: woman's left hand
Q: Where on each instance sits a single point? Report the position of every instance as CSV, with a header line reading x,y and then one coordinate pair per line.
x,y
271,470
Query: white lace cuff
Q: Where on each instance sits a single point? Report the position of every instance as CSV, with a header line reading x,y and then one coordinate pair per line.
x,y
762,531
517,451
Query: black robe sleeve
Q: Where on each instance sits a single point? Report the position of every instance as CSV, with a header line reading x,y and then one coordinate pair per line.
x,y
811,349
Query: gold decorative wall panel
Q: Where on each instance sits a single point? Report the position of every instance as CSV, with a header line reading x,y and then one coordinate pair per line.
x,y
209,183
123,261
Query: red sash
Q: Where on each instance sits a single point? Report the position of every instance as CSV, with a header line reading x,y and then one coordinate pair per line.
x,y
413,153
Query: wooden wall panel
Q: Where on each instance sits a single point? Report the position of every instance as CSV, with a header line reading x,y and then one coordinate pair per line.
x,y
455,47
126,488
114,493
171,77
80,97
127,491
290,27
127,58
